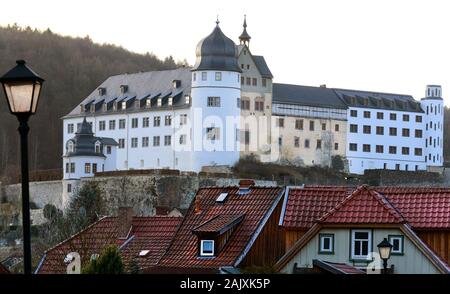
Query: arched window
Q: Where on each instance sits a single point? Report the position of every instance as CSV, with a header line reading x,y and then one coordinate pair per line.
x,y
70,146
97,147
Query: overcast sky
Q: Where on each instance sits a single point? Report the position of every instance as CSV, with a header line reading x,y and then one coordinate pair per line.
x,y
388,46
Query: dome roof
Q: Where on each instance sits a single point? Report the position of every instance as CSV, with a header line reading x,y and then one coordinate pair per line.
x,y
84,142
217,52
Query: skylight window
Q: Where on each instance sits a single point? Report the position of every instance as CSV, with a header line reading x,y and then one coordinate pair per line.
x,y
221,197
143,253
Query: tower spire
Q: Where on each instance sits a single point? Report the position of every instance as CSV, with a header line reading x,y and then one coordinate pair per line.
x,y
244,38
217,21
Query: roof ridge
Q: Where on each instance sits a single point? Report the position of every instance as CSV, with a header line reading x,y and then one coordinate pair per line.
x,y
368,91
383,200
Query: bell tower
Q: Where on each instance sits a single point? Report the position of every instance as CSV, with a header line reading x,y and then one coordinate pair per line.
x,y
244,38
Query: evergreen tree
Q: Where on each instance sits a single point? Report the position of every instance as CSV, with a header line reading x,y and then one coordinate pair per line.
x,y
109,262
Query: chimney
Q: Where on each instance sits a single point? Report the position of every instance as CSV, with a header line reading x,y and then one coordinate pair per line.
x,y
245,185
124,221
197,203
162,210
323,86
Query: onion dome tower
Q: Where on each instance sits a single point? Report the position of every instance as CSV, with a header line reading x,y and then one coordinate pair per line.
x,y
215,91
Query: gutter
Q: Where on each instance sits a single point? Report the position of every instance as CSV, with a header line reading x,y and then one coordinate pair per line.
x,y
41,262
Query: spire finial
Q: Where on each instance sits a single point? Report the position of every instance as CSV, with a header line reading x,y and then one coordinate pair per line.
x,y
217,20
245,21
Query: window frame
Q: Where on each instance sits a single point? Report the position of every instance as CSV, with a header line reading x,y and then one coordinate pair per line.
x,y
202,252
369,245
402,244
323,250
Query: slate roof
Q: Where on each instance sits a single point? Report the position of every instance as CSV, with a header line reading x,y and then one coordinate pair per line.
x,y
306,95
255,205
140,85
262,66
219,224
148,233
216,52
422,208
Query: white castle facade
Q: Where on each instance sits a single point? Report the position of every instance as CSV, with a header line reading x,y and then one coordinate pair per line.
x,y
227,106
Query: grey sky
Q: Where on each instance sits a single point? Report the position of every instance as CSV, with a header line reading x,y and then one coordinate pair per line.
x,y
392,46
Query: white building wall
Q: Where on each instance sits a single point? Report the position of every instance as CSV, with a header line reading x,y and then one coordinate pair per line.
x,y
359,160
225,150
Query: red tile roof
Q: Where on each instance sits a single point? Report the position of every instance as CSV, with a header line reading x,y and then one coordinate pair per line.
x,y
3,270
255,205
148,233
219,223
363,206
337,268
425,208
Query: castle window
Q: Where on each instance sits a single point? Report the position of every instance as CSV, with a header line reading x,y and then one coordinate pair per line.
x,y
366,114
324,127
353,113
311,125
183,119
280,141
307,143
336,146
92,107
259,105
159,102
87,168
299,124
134,142
405,132
418,151
115,105
121,143
102,125
353,128
124,105
204,76
366,148
264,82
319,144
242,80
245,104
380,115
148,103
392,131
280,122
187,99
170,101
145,122
156,121
72,167
392,150
254,82
144,141
112,124
336,127
218,76
246,137
194,76
108,149
296,142
168,120
393,116
70,128
182,139
213,102
248,66
97,147
379,149
94,167
156,141
248,81
69,188
405,150
353,147
380,130
123,89
121,123
206,247
134,122
167,140
406,117
70,146
212,133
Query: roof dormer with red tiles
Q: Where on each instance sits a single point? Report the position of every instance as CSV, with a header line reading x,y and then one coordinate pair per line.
x,y
234,226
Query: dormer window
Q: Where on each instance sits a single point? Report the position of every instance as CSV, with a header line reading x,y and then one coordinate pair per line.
x,y
105,107
92,107
70,146
170,101
81,108
124,105
115,105
101,91
159,102
123,89
176,84
206,247
187,99
97,147
148,103
137,104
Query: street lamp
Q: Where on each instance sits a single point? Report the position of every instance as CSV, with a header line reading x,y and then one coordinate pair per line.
x,y
22,87
385,248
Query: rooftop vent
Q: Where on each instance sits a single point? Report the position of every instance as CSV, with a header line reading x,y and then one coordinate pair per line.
x,y
222,197
101,91
123,89
176,83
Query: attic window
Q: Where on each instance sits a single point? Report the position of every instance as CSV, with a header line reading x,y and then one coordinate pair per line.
x,y
176,83
70,146
124,105
123,89
170,101
148,103
222,197
92,107
206,247
101,91
143,253
159,102
187,99
81,108
97,147
105,107
115,105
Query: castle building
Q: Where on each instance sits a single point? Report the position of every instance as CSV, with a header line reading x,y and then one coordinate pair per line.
x,y
226,106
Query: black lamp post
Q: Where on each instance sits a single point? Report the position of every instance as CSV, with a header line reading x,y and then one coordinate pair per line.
x,y
22,87
385,248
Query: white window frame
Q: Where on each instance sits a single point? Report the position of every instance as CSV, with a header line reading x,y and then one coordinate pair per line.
x,y
204,76
98,147
70,146
213,101
134,142
323,250
202,252
218,76
401,238
70,128
369,245
124,105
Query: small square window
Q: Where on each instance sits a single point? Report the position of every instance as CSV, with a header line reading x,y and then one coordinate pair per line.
x,y
326,243
218,76
397,244
206,247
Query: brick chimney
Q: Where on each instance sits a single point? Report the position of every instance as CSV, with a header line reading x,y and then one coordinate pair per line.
x,y
124,221
245,185
162,210
197,203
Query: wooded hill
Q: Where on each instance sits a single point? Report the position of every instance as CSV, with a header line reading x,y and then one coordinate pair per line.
x,y
72,68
